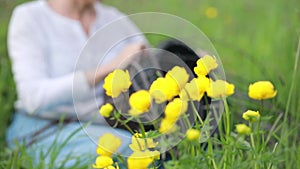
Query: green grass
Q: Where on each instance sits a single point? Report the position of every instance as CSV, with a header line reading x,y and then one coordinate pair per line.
x,y
19,157
7,87
256,40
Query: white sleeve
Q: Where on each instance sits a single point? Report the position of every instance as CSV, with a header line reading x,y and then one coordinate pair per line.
x,y
27,48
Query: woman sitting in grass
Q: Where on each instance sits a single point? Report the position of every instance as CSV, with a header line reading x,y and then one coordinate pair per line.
x,y
45,39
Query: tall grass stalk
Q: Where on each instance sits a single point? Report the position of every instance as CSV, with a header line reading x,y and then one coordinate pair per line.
x,y
284,135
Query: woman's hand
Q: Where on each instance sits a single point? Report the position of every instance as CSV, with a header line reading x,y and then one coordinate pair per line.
x,y
125,57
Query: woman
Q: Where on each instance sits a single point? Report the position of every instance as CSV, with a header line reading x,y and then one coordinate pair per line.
x,y
44,41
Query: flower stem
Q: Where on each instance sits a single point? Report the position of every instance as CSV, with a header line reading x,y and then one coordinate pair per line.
x,y
259,124
123,123
256,166
252,138
196,112
192,151
143,131
227,116
206,132
211,153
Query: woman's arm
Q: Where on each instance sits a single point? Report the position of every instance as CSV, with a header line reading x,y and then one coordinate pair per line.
x,y
124,58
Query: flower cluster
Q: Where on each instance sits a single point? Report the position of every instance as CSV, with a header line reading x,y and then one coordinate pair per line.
x,y
174,88
175,91
202,84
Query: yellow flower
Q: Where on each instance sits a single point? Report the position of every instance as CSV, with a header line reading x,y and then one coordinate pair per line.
x,y
140,144
261,90
167,126
220,88
242,129
116,82
191,92
142,159
172,88
192,134
203,83
205,65
175,108
251,116
211,12
140,102
103,162
106,110
195,89
174,81
179,75
163,89
108,144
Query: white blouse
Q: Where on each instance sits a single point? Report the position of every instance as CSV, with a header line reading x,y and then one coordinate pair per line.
x,y
45,46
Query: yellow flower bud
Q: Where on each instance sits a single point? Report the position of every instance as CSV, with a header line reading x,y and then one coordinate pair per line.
x,y
108,144
116,82
251,116
242,129
103,162
106,110
261,90
192,134
205,65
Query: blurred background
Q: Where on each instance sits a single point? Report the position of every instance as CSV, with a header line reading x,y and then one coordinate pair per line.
x,y
256,40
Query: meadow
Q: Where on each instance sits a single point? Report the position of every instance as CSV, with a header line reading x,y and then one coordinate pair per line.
x,y
256,40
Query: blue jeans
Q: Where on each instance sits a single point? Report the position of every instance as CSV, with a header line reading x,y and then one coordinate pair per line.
x,y
81,146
